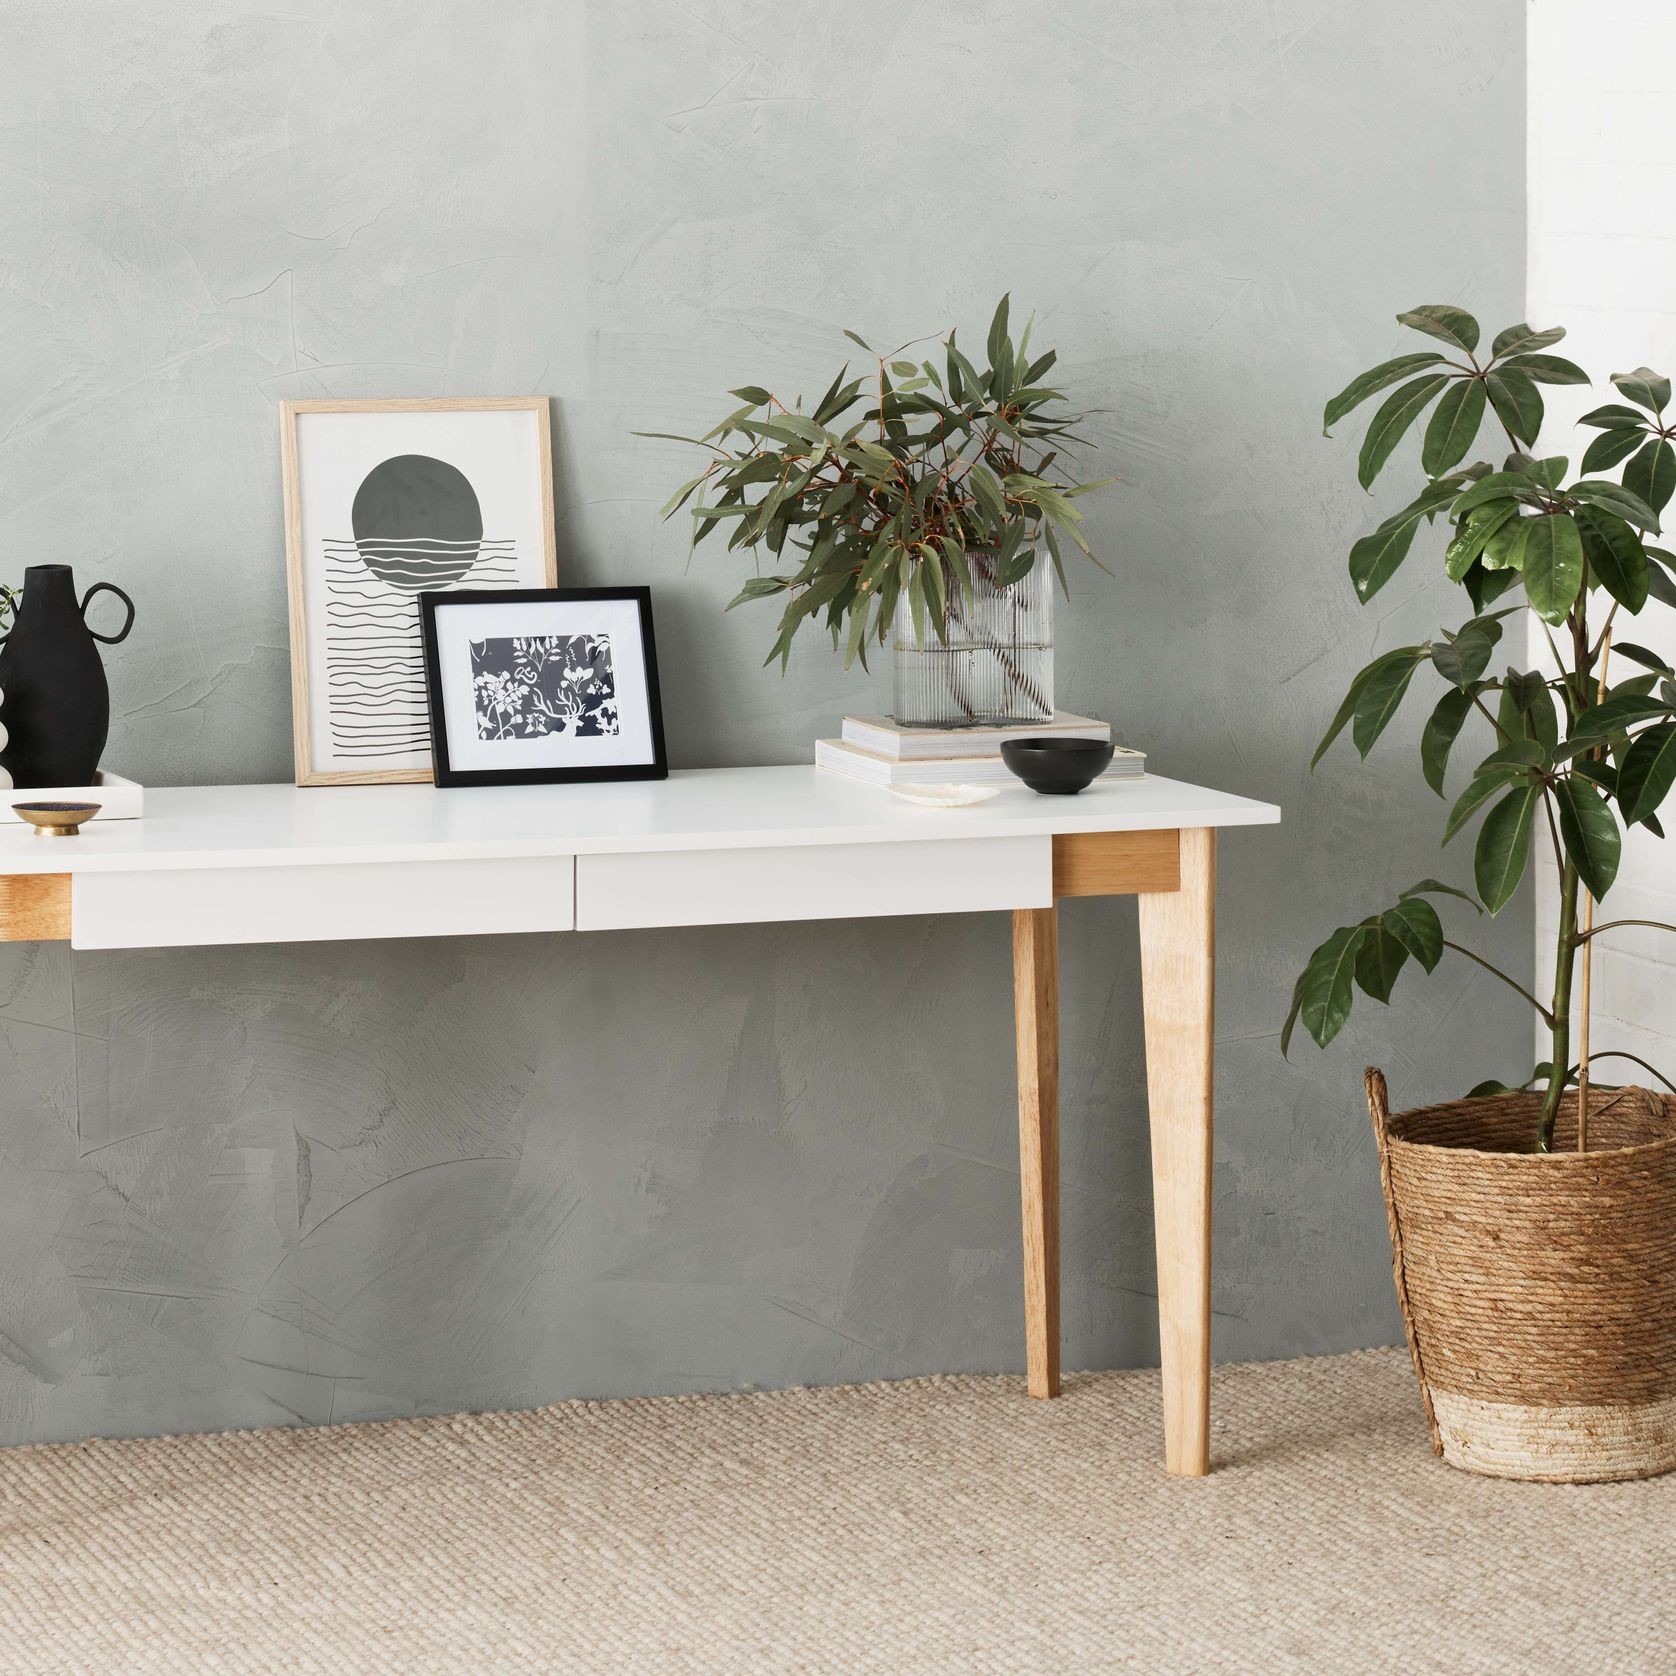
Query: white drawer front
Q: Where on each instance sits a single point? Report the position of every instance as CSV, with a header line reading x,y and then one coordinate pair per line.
x,y
813,881
322,903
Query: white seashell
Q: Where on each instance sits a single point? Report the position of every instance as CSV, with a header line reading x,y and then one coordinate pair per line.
x,y
946,796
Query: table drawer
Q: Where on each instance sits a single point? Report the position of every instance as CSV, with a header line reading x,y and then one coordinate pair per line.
x,y
812,881
310,904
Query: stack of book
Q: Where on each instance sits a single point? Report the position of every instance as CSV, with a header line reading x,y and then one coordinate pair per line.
x,y
883,753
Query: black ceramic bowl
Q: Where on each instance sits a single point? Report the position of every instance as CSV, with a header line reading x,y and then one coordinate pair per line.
x,y
1057,767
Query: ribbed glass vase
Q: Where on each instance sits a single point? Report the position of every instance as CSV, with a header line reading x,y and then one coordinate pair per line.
x,y
995,667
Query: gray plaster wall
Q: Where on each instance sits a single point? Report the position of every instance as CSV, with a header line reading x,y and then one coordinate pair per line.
x,y
311,1183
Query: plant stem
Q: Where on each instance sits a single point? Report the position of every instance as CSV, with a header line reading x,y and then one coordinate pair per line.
x,y
1613,924
1558,1016
1512,983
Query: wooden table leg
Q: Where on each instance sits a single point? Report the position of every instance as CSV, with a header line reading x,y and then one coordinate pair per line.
x,y
1178,944
1036,1015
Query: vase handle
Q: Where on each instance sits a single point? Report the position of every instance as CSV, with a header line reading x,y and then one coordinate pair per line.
x,y
110,588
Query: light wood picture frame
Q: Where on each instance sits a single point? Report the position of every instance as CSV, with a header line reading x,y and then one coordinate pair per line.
x,y
385,500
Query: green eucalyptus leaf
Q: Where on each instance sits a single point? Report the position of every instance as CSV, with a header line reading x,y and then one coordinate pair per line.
x,y
1589,832
1553,565
1504,845
1648,772
1454,426
1443,320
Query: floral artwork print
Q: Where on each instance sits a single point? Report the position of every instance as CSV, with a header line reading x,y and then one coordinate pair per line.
x,y
535,685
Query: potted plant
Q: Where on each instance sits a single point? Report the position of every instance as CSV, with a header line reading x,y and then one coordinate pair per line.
x,y
913,503
1533,1227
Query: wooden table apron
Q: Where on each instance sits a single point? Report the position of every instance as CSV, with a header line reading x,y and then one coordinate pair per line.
x,y
1171,872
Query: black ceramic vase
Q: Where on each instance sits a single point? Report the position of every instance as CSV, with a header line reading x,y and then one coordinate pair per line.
x,y
54,701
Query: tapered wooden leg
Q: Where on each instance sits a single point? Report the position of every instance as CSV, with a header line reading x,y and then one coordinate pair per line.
x,y
1036,1014
1178,946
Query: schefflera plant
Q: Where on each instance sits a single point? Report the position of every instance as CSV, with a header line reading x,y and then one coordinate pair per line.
x,y
1574,759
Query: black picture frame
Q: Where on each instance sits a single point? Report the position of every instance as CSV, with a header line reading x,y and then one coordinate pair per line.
x,y
447,775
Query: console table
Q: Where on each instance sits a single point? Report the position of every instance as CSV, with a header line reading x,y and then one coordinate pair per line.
x,y
259,864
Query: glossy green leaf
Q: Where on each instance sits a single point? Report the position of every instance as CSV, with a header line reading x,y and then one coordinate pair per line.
x,y
1517,401
1462,657
1661,576
1615,555
1414,923
1399,410
1521,338
1499,485
1628,505
1526,711
1505,549
1380,957
1374,379
1376,558
1454,426
1481,523
1436,887
1379,701
1351,698
1641,655
1645,388
1615,416
1438,738
1553,565
1443,320
1548,369
1504,846
1609,448
1648,772
1480,789
1652,474
1327,984
1589,831
1617,715
1485,587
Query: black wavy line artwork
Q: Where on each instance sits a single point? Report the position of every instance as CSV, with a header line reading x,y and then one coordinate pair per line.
x,y
531,686
415,524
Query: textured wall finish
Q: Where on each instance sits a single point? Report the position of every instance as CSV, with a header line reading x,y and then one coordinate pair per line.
x,y
239,1186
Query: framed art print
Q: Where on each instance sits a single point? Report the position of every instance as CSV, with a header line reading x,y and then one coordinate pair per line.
x,y
385,501
541,685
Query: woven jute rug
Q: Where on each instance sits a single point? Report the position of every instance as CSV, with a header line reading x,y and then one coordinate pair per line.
x,y
944,1525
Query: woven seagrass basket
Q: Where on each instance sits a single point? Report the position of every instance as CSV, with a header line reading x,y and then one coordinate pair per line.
x,y
1538,1290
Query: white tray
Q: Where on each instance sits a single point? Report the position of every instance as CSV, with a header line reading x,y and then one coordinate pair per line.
x,y
118,799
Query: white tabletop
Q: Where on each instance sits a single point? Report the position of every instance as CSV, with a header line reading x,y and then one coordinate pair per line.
x,y
694,809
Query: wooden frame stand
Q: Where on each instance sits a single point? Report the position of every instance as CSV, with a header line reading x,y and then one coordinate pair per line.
x,y
1173,875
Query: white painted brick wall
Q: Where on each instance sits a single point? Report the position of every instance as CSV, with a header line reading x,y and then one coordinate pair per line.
x,y
1601,131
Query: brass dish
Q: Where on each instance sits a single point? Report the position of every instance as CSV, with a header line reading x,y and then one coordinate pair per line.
x,y
56,820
